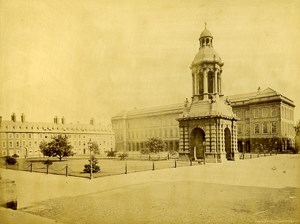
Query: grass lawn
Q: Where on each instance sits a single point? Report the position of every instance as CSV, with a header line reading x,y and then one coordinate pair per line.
x,y
113,166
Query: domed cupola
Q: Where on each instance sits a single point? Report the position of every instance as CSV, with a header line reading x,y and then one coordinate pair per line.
x,y
206,51
206,69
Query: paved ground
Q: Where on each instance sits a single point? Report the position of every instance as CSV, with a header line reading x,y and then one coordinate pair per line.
x,y
262,190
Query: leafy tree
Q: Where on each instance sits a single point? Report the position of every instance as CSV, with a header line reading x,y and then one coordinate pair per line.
x,y
94,147
297,128
87,167
155,145
59,147
10,160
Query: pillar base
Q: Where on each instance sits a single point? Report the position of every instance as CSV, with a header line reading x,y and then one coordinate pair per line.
x,y
223,158
236,156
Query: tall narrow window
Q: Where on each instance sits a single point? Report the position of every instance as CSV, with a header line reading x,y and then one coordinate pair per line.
x,y
210,82
265,128
256,128
274,128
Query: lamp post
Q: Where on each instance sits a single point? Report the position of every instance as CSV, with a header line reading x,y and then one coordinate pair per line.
x,y
243,144
91,164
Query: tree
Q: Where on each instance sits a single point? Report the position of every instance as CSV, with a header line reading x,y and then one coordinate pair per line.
x,y
155,145
59,147
87,167
94,147
111,153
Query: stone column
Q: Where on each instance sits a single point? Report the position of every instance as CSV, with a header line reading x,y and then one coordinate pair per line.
x,y
216,82
205,90
196,84
216,85
220,83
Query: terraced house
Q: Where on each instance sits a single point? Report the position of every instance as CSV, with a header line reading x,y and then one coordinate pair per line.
x,y
23,138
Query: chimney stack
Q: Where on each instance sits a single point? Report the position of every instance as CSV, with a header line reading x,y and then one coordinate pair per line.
x,y
92,121
63,120
13,117
23,118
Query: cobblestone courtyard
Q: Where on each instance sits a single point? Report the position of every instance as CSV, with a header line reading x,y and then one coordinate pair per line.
x,y
261,190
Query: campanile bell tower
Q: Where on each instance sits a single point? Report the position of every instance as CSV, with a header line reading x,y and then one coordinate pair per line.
x,y
208,125
206,70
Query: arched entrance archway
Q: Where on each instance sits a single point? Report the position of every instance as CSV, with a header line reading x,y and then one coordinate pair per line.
x,y
198,143
228,143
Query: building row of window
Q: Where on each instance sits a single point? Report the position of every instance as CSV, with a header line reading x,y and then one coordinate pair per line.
x,y
258,128
263,112
287,113
265,128
54,128
162,133
18,144
147,122
37,152
42,136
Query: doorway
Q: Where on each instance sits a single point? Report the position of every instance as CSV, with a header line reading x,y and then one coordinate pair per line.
x,y
198,143
228,143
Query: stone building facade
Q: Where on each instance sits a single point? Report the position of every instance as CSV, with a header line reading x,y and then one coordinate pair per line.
x,y
265,121
23,138
265,118
133,128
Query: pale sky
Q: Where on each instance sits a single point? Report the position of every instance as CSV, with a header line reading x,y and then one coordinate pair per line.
x,y
94,58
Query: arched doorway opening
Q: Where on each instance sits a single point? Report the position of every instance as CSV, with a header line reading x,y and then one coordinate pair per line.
x,y
228,143
197,143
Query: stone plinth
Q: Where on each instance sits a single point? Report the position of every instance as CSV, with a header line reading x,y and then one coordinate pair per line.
x,y
8,194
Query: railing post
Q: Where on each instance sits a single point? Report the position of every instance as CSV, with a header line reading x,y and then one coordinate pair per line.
x,y
125,167
153,165
175,165
47,168
191,163
66,170
31,167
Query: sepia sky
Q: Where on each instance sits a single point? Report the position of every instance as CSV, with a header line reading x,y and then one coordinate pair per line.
x,y
94,58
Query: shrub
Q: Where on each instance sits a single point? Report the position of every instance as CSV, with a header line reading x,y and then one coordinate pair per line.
x,y
87,167
123,156
10,160
111,153
15,155
48,162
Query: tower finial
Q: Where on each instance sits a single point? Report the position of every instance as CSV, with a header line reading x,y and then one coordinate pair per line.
x,y
205,24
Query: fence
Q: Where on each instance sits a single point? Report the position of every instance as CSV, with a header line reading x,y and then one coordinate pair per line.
x,y
108,167
257,154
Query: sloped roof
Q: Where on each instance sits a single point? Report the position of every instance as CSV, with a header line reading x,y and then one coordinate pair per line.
x,y
266,94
